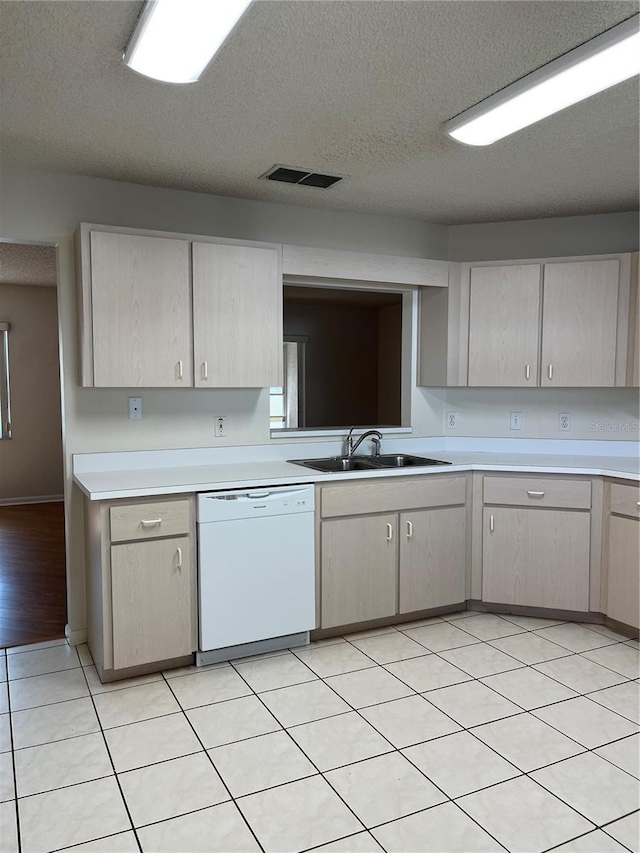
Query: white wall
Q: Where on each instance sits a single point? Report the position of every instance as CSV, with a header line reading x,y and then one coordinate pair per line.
x,y
596,413
545,238
31,461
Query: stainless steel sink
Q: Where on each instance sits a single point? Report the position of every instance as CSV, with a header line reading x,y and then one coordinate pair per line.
x,y
335,464
402,460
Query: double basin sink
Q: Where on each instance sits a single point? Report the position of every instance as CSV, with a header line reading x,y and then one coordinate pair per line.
x,y
336,464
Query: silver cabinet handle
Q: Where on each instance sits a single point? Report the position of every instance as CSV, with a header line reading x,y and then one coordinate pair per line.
x,y
409,530
179,369
150,522
389,532
204,371
179,558
637,503
527,372
491,523
535,494
550,371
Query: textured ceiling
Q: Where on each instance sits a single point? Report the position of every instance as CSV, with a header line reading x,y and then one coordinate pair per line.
x,y
356,87
22,264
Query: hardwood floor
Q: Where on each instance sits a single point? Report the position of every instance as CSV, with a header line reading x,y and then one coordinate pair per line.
x,y
33,595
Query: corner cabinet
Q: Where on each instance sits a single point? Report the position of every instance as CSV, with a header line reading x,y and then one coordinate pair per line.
x,y
536,542
622,554
391,547
148,301
141,584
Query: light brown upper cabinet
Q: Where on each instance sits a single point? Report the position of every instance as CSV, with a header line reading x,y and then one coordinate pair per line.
x,y
579,323
504,312
141,311
148,300
237,316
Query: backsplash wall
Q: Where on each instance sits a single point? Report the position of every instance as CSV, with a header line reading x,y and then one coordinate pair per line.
x,y
596,413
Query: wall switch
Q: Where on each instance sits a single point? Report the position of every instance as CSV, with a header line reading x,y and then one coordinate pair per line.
x,y
564,421
452,420
516,420
220,426
135,408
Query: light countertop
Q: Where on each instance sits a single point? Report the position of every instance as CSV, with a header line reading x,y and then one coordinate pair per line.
x,y
177,479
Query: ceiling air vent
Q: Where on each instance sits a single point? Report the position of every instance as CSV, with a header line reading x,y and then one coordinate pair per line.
x,y
304,177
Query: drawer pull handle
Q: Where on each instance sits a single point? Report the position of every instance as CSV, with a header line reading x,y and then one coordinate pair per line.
x,y
491,523
527,372
150,522
389,532
179,558
409,530
205,371
180,371
550,372
535,494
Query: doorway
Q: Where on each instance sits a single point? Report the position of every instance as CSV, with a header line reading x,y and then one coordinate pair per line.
x,y
33,604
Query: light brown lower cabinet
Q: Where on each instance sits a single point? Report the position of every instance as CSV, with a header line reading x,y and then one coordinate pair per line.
x,y
536,557
151,600
359,569
432,558
623,585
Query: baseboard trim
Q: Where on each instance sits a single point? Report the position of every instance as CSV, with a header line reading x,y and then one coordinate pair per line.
x,y
34,499
75,638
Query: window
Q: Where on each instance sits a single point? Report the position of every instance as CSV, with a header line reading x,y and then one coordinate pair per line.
x,y
5,389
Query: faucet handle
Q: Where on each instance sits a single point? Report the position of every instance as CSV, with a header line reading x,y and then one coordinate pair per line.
x,y
376,443
349,441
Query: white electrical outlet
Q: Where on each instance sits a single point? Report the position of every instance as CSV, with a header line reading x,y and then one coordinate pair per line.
x,y
452,420
135,408
220,426
516,420
564,421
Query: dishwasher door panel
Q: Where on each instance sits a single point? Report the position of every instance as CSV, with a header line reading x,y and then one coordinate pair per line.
x,y
256,579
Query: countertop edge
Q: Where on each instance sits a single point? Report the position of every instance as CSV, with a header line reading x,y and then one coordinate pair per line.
x,y
313,477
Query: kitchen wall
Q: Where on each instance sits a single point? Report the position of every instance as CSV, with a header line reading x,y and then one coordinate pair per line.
x,y
31,461
47,207
545,238
605,413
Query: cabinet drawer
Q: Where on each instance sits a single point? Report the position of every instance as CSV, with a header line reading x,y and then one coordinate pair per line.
x,y
625,500
392,495
525,491
149,521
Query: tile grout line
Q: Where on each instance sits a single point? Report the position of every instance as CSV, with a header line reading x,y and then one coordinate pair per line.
x,y
394,749
117,780
215,769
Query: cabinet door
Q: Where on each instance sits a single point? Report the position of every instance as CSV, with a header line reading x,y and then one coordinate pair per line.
x,y
432,558
237,310
579,322
623,593
536,557
504,320
359,569
151,601
141,310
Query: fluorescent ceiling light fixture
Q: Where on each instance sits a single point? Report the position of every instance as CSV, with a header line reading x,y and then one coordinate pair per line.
x,y
592,67
175,40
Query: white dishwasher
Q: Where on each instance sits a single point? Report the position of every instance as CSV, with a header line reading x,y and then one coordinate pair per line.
x,y
256,571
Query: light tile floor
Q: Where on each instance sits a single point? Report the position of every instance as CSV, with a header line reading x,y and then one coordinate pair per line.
x,y
471,732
